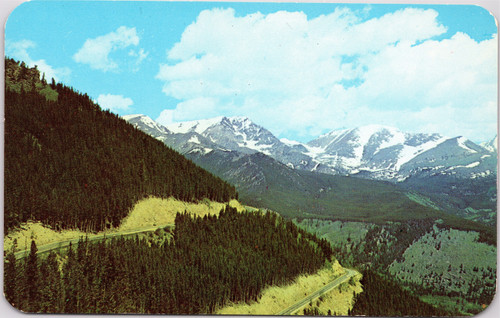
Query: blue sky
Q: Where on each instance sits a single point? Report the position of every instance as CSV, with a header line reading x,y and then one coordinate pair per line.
x,y
299,70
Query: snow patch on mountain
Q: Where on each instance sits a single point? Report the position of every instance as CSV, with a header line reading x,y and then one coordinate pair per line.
x,y
491,145
198,126
291,143
461,143
314,152
253,144
409,152
194,139
482,174
472,165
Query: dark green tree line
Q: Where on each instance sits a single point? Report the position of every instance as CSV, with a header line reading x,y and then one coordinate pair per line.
x,y
384,297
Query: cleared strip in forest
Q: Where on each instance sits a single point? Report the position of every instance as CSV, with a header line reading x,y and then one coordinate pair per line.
x,y
334,284
62,244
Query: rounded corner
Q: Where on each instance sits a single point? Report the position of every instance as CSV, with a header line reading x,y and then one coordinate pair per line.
x,y
491,309
22,4
482,7
7,307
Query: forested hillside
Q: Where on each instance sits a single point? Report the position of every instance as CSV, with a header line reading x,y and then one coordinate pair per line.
x,y
70,164
383,297
208,262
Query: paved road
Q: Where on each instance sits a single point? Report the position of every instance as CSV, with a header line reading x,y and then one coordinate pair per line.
x,y
334,284
61,244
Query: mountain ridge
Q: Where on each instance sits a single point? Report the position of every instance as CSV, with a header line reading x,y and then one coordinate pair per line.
x,y
376,151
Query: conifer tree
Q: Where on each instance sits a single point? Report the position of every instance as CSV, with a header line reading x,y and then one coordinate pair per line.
x,y
32,277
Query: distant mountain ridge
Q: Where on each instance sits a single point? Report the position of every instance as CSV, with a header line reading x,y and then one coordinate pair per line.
x,y
373,151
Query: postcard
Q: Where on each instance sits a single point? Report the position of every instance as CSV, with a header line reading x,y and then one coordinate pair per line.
x,y
250,158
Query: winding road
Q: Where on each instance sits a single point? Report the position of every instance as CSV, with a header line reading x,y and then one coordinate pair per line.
x,y
61,244
333,284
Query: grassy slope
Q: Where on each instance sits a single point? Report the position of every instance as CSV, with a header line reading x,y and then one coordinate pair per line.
x,y
274,299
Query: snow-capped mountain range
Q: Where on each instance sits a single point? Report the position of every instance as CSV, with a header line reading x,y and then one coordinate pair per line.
x,y
373,151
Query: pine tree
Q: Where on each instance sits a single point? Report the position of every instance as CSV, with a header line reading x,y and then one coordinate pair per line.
x,y
51,291
32,277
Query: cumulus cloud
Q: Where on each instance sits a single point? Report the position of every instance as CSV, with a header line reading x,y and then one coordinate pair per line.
x,y
95,52
185,110
304,76
19,50
114,102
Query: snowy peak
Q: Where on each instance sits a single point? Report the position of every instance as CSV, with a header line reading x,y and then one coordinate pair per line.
x,y
198,126
373,137
467,145
291,143
147,125
236,124
491,145
370,148
234,133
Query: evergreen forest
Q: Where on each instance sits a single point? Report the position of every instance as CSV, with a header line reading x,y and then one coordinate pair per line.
x,y
69,164
384,297
207,263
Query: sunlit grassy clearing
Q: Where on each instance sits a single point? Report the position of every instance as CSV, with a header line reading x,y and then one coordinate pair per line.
x,y
156,211
42,234
274,298
339,300
335,231
448,255
148,212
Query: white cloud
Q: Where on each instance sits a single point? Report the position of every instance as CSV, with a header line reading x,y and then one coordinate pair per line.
x,y
95,52
190,109
19,50
303,76
166,117
114,102
140,56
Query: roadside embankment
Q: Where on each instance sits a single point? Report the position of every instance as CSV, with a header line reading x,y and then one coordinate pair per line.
x,y
275,299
